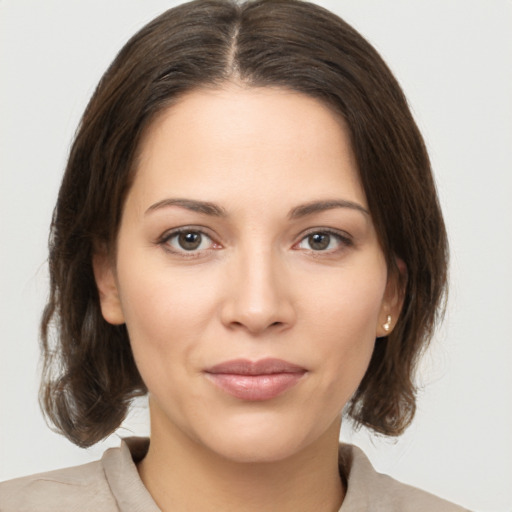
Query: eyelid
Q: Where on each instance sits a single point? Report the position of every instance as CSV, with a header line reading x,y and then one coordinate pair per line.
x,y
344,238
170,233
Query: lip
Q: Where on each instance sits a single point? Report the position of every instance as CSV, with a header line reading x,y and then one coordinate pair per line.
x,y
255,380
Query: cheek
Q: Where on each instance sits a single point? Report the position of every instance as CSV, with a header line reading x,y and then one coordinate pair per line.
x,y
343,324
349,301
165,314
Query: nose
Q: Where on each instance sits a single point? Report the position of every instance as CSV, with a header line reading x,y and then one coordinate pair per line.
x,y
259,296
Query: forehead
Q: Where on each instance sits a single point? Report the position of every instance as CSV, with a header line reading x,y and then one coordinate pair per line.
x,y
232,140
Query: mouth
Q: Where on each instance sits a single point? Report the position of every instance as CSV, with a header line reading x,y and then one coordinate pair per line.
x,y
255,380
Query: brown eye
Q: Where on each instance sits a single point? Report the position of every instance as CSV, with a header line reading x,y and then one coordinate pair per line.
x,y
327,241
319,241
190,241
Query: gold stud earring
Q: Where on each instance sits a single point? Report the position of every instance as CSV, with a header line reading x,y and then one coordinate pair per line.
x,y
387,325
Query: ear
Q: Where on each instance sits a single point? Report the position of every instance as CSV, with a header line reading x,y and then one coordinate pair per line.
x,y
393,299
105,277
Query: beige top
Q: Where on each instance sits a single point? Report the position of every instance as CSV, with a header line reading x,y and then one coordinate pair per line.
x,y
112,484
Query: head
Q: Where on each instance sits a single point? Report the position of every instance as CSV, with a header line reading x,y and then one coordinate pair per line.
x,y
204,47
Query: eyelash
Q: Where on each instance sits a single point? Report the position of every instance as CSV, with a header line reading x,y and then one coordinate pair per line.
x,y
169,235
344,239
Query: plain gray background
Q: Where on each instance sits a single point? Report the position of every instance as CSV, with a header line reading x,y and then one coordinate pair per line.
x,y
454,60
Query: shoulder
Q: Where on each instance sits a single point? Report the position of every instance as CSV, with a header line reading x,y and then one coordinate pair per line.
x,y
78,488
369,490
107,485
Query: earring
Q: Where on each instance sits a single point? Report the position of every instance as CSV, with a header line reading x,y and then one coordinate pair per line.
x,y
387,325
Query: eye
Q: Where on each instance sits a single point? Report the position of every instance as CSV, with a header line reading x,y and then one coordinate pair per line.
x,y
327,241
187,240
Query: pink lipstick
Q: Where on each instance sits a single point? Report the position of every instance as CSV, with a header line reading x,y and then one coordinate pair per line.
x,y
255,381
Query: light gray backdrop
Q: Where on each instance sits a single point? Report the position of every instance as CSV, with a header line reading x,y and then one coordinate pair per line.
x,y
454,60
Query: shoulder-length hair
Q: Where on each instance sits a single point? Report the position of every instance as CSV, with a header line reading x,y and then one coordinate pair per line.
x,y
89,374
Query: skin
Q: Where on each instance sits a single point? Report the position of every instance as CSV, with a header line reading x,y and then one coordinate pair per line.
x,y
255,287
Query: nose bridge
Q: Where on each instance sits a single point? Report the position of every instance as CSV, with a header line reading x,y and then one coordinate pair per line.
x,y
258,295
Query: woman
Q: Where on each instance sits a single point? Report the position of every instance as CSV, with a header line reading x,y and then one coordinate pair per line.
x,y
247,230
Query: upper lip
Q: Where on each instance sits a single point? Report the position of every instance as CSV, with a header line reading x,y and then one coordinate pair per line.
x,y
266,366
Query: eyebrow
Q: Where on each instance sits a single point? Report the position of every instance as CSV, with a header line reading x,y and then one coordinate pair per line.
x,y
204,207
321,206
214,210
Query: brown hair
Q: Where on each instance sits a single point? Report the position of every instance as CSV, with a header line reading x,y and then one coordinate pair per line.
x,y
89,375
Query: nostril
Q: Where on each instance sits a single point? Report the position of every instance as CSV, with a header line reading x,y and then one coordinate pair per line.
x,y
254,328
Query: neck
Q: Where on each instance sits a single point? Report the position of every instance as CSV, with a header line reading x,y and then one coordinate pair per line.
x,y
184,475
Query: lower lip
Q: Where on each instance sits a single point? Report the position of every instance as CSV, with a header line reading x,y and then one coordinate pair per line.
x,y
255,388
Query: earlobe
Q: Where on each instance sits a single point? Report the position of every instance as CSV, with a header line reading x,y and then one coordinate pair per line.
x,y
393,300
104,275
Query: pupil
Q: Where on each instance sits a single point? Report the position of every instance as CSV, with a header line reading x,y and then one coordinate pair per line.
x,y
189,241
319,241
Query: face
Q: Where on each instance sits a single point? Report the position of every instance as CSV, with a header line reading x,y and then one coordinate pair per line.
x,y
248,272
